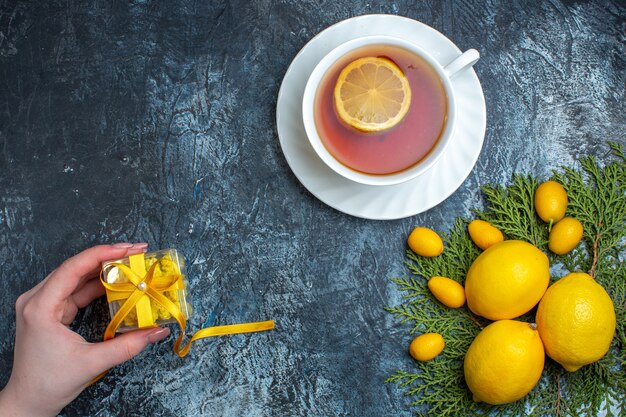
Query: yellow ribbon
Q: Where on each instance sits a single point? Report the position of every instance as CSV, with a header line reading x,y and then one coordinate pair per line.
x,y
142,286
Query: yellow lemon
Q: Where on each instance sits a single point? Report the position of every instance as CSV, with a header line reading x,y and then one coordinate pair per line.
x,y
507,280
449,292
550,201
565,235
372,94
504,362
576,321
426,347
425,242
483,234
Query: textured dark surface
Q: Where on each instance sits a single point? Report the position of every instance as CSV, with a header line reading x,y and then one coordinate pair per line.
x,y
148,121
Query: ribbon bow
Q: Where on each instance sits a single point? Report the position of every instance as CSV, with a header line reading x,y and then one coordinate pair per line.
x,y
142,286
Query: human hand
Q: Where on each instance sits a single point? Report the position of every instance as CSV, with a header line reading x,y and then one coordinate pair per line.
x,y
52,364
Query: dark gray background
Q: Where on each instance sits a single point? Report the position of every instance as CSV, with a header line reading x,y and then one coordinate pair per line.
x,y
154,121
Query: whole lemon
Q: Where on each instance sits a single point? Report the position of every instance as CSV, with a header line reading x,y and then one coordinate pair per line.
x,y
425,242
507,280
449,292
576,321
427,346
484,234
565,235
504,362
550,201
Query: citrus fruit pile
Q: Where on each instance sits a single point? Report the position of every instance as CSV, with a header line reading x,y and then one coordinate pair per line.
x,y
574,321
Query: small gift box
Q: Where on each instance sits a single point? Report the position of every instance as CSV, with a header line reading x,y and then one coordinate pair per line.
x,y
146,290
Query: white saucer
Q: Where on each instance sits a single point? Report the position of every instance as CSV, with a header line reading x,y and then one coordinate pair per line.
x,y
380,202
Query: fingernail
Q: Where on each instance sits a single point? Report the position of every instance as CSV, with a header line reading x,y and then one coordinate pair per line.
x,y
123,245
158,334
140,245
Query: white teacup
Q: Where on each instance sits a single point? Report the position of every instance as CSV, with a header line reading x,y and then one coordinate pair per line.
x,y
445,74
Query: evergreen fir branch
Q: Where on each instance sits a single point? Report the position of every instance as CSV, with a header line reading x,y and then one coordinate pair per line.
x,y
577,260
411,286
592,380
544,399
403,378
617,151
597,198
511,210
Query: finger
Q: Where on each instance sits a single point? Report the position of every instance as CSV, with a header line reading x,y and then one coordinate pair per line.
x,y
81,298
124,347
91,290
69,312
99,252
135,249
70,275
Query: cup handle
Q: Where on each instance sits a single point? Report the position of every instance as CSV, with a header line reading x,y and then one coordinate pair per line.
x,y
463,61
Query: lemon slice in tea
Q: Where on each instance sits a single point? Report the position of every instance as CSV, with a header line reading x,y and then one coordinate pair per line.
x,y
372,94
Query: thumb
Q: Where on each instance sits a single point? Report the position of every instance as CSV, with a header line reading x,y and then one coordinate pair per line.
x,y
126,346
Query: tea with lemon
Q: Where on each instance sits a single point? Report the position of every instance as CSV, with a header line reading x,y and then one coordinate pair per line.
x,y
419,110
